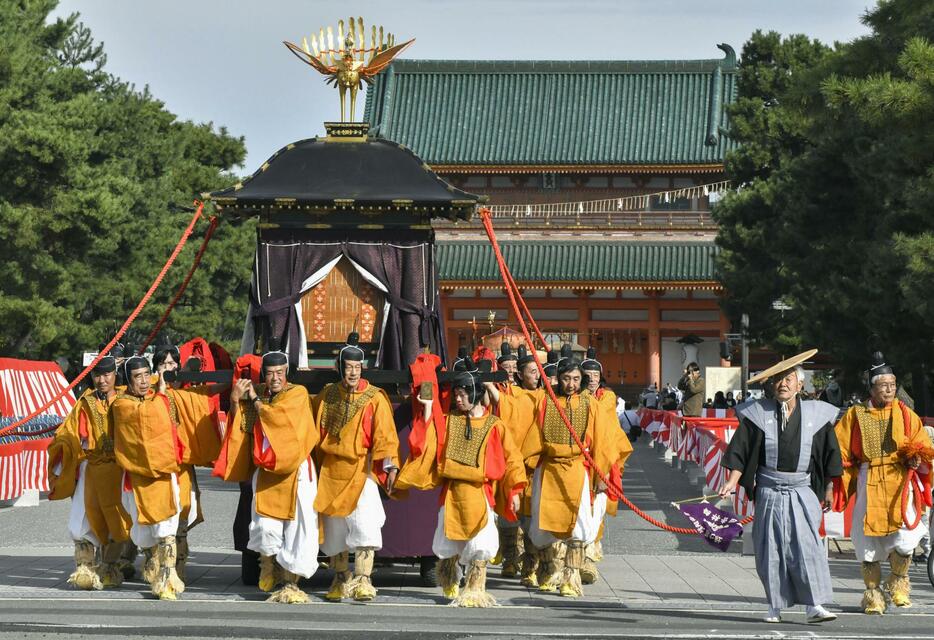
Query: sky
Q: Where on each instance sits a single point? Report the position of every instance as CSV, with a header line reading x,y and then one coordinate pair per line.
x,y
223,61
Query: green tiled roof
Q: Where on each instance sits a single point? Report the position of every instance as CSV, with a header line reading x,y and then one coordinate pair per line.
x,y
596,262
556,113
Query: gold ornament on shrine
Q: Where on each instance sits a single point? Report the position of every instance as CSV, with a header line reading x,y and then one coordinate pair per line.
x,y
350,63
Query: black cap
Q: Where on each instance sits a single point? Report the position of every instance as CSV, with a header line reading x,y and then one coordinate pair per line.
x,y
524,357
551,363
591,363
505,353
465,364
469,381
117,351
350,352
107,364
461,356
274,357
567,361
565,352
879,367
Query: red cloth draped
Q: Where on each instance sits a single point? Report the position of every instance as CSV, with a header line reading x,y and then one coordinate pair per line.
x,y
265,459
248,367
424,370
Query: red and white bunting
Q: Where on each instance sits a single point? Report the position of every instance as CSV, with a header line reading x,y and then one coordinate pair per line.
x,y
26,385
699,441
718,413
23,466
839,524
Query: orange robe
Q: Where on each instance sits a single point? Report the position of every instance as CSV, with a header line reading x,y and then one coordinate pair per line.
x,y
201,443
886,475
273,444
549,445
468,470
517,411
151,436
357,434
87,434
607,399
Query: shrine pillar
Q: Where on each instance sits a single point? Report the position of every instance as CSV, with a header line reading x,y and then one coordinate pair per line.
x,y
655,342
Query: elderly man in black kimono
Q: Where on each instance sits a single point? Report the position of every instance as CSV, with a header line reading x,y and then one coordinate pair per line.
x,y
785,454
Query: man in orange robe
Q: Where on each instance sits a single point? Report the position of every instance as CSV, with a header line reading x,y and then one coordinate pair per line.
x,y
885,447
275,429
153,430
474,453
359,448
531,391
167,358
568,501
515,410
82,466
607,401
269,440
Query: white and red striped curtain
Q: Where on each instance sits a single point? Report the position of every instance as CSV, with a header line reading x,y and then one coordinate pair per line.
x,y
25,387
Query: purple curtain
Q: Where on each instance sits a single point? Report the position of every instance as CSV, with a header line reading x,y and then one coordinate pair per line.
x,y
406,268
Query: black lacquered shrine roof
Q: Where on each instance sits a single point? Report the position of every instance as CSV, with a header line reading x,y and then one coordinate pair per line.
x,y
350,174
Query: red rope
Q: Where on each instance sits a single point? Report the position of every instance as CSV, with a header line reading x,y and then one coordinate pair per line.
x,y
126,325
183,286
30,434
513,294
525,309
911,495
913,491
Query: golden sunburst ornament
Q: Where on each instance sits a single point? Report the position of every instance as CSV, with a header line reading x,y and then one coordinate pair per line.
x,y
351,62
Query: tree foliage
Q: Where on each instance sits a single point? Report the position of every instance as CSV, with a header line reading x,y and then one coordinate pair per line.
x,y
835,178
91,173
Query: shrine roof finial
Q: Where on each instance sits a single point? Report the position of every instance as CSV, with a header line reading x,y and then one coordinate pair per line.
x,y
351,62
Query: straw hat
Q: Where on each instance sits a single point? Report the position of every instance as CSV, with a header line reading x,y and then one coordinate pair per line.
x,y
781,367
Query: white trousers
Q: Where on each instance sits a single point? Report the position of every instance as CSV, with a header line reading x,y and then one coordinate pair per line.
x,y
877,548
294,543
79,527
363,528
482,546
193,512
589,517
147,535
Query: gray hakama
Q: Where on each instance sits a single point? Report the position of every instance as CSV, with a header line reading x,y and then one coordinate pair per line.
x,y
791,559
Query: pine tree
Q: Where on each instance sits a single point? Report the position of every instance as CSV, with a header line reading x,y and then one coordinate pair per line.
x,y
835,176
91,173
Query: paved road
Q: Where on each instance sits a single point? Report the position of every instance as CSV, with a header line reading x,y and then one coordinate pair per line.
x,y
213,619
653,584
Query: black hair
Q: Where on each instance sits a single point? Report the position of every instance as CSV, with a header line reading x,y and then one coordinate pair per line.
x,y
164,352
469,382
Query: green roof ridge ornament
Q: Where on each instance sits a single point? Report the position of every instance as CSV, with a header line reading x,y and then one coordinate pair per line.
x,y
351,63
729,58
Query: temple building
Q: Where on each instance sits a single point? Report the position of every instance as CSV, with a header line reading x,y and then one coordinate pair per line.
x,y
631,276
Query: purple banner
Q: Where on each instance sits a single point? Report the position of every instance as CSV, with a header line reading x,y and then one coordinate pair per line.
x,y
717,527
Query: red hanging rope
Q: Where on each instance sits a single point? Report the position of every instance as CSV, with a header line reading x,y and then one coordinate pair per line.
x,y
913,491
525,309
183,286
513,293
126,325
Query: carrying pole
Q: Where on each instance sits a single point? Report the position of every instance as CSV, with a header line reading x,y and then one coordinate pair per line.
x,y
744,370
